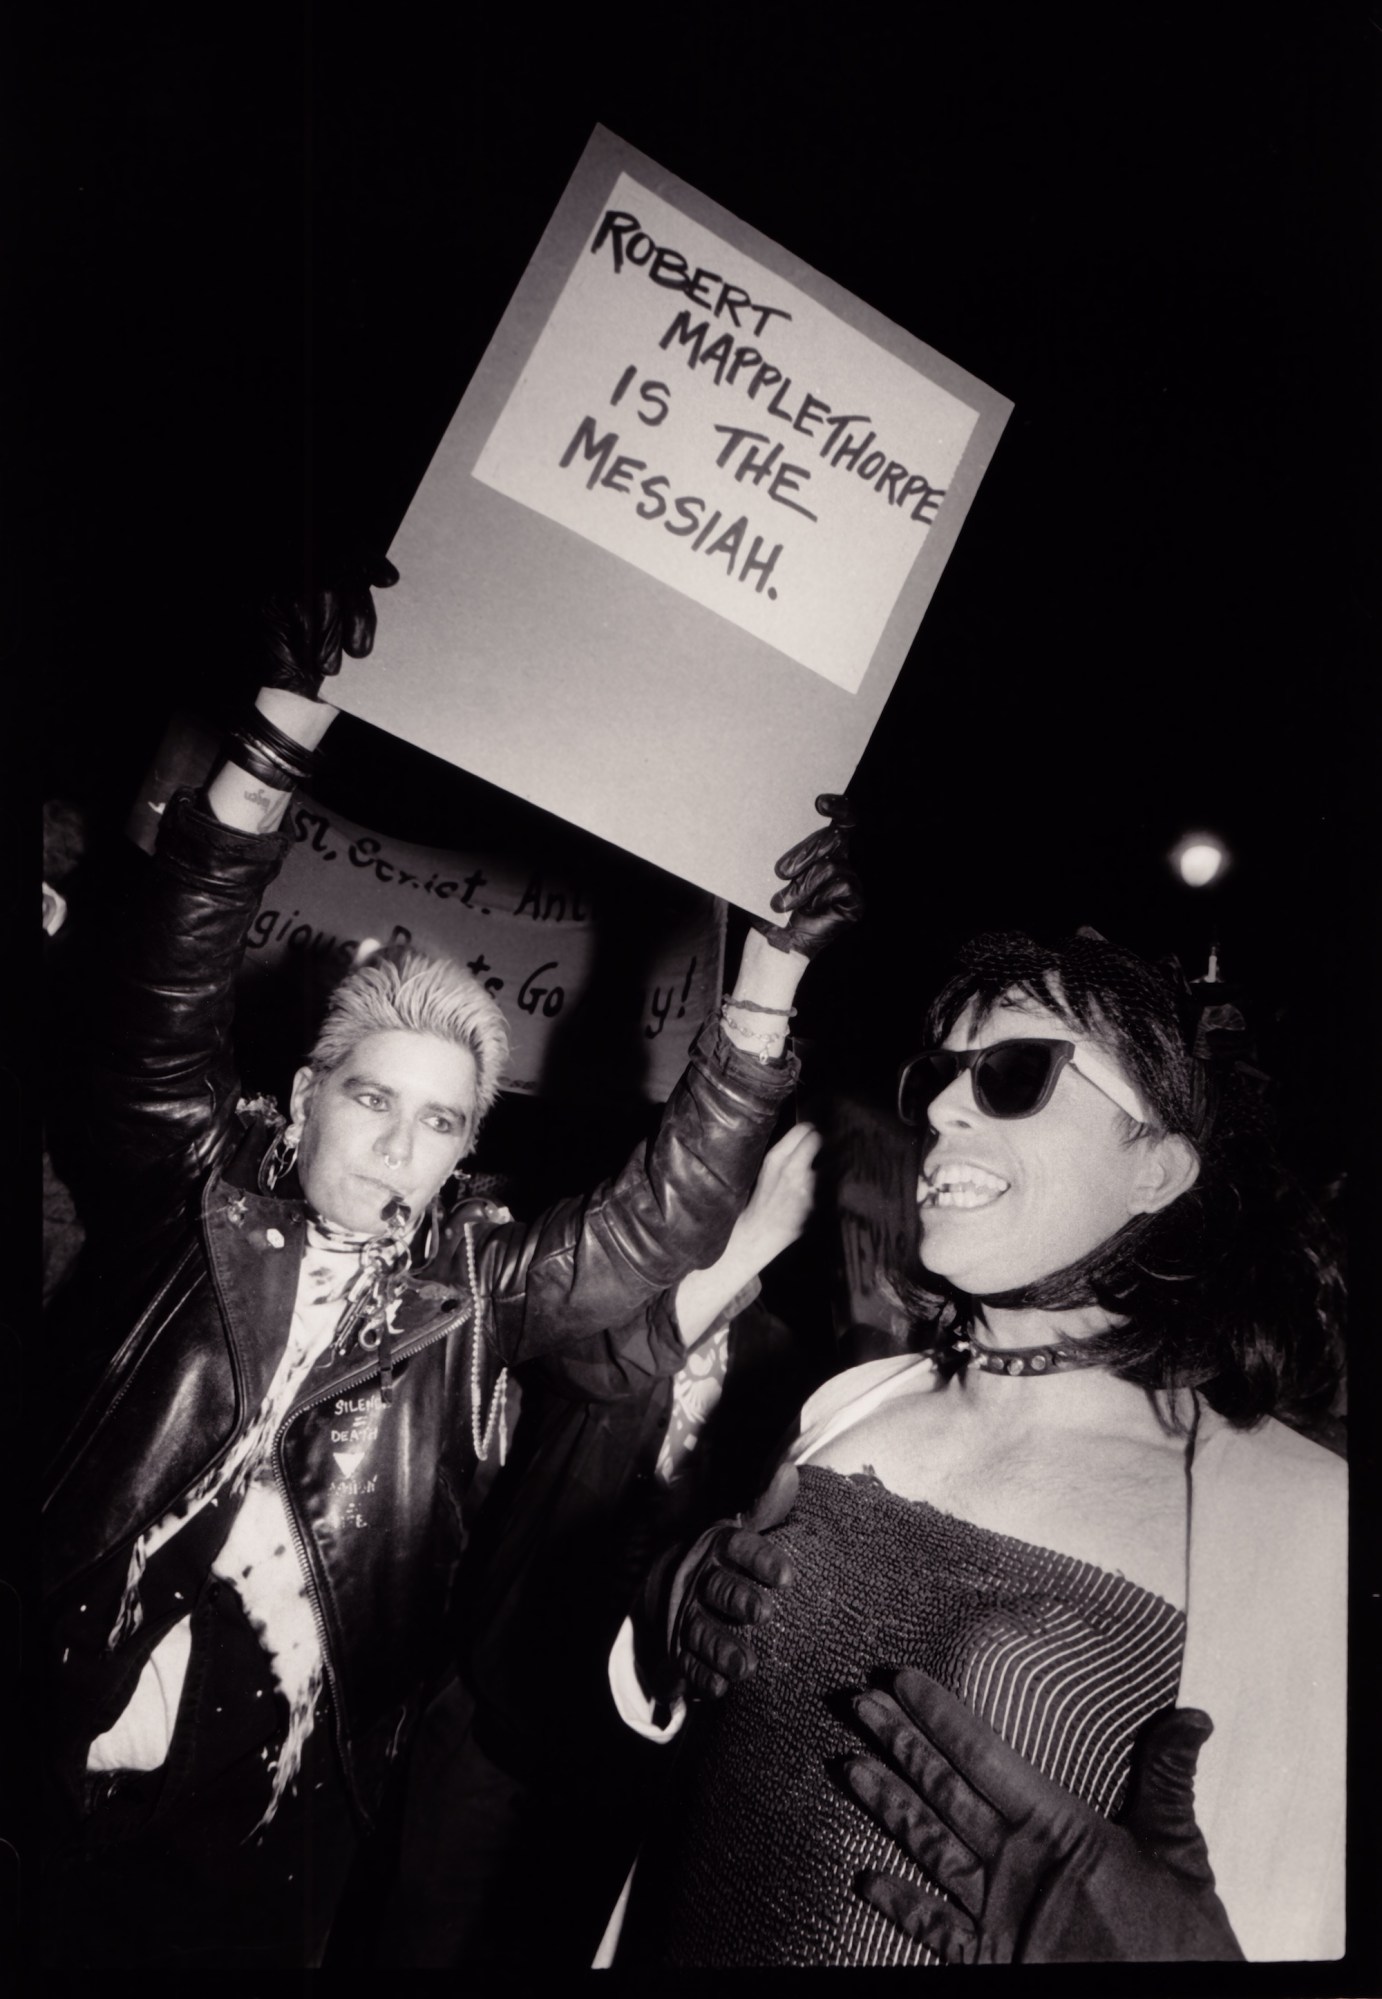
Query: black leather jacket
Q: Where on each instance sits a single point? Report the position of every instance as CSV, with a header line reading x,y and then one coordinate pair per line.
x,y
200,1295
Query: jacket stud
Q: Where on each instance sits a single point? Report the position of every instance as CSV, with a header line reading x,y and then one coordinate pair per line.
x,y
274,1238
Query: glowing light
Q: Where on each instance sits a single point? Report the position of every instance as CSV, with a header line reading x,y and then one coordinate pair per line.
x,y
1199,859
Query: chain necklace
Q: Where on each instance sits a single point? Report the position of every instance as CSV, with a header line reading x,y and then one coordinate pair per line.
x,y
482,1437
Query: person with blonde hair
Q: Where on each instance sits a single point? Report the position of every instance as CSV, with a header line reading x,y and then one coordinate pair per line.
x,y
301,1349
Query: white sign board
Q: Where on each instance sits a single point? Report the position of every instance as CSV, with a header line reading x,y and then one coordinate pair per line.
x,y
766,460
678,538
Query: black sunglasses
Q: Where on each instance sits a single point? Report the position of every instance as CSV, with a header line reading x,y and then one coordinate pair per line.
x,y
1011,1079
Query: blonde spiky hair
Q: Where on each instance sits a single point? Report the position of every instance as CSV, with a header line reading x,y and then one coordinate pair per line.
x,y
404,987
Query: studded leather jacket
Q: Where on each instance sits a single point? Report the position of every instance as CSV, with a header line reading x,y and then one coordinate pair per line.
x,y
194,1302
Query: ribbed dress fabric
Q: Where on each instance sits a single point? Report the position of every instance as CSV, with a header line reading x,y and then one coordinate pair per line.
x,y
753,1859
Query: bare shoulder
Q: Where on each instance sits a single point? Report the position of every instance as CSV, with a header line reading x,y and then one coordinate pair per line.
x,y
1294,1488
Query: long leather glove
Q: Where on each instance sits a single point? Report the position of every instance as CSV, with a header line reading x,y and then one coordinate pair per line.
x,y
693,1615
1036,1876
304,632
822,896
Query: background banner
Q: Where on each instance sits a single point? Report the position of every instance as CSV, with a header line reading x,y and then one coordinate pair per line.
x,y
530,937
582,983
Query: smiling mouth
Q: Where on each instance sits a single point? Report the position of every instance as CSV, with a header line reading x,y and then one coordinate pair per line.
x,y
960,1184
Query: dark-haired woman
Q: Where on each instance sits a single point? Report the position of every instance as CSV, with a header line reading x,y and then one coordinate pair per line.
x,y
1007,1578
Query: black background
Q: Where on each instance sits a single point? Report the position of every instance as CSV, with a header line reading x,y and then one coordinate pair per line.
x,y
270,248
263,249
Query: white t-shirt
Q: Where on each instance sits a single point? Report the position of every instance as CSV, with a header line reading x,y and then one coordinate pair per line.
x,y
259,1558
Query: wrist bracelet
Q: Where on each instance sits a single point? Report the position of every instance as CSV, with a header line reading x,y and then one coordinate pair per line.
x,y
262,749
287,749
752,1006
287,754
266,769
773,1039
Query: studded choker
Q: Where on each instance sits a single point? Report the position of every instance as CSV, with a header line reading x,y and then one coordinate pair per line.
x,y
1021,1360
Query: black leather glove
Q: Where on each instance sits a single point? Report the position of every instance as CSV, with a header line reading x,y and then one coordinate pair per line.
x,y
304,632
1036,1876
822,896
690,1623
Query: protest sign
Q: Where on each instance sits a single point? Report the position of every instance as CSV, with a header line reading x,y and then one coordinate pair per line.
x,y
547,944
672,551
819,587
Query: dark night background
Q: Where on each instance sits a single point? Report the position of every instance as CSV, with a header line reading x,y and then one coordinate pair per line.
x,y
264,249
268,251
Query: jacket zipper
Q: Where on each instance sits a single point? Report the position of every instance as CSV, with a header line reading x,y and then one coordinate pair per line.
x,y
300,1540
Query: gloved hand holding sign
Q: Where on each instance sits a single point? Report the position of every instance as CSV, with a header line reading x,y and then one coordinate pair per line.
x,y
822,896
303,633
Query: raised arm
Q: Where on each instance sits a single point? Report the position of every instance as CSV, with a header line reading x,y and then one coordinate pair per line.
x,y
165,1086
774,1217
594,1263
623,1363
304,635
820,899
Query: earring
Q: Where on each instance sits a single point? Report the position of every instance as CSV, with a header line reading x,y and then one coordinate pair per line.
x,y
279,1158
